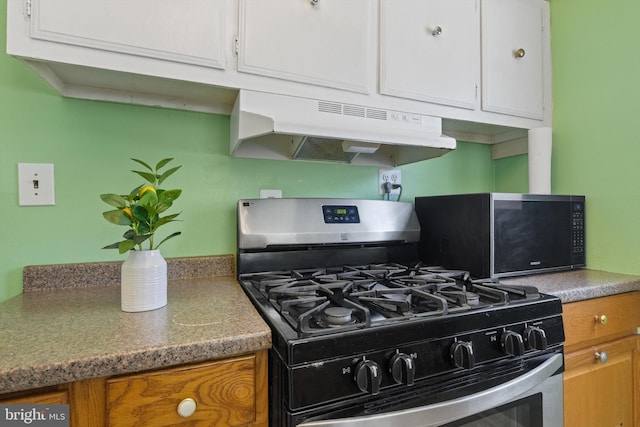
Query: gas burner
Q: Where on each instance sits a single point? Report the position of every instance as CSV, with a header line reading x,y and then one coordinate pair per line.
x,y
337,316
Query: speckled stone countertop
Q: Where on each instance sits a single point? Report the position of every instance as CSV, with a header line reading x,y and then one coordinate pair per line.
x,y
577,285
69,333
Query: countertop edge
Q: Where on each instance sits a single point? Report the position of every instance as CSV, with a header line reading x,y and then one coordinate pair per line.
x,y
40,376
47,334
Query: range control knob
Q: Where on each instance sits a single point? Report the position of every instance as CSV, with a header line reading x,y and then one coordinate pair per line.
x,y
368,376
462,354
402,368
535,338
512,343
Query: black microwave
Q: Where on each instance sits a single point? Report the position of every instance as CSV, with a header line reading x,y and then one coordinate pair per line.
x,y
502,234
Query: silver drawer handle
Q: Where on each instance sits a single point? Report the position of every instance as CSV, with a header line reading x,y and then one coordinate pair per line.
x,y
602,356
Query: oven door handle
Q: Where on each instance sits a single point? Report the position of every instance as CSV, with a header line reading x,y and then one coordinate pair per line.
x,y
452,410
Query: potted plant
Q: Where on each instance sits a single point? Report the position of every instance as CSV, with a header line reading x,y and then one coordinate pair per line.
x,y
144,272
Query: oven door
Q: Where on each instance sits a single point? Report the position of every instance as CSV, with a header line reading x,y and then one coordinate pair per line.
x,y
531,400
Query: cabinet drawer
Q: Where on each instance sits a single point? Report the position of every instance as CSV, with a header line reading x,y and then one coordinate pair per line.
x,y
224,393
585,325
600,392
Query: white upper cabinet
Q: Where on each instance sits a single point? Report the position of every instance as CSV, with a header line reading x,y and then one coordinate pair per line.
x,y
430,50
483,66
321,42
514,49
191,33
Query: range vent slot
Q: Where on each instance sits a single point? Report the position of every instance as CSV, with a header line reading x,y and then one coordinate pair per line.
x,y
329,107
376,114
354,110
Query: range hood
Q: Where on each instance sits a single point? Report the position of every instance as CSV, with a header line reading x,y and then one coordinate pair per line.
x,y
271,126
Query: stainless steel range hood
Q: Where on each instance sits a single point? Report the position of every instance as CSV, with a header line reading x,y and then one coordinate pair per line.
x,y
270,126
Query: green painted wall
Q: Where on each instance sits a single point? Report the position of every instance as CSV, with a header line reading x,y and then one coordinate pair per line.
x,y
90,144
596,88
596,85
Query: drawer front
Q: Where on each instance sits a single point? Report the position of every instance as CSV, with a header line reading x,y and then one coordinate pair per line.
x,y
600,319
599,391
223,392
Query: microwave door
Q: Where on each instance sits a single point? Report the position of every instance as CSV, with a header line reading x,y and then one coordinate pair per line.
x,y
530,235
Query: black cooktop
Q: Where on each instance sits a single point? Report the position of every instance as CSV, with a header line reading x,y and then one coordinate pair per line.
x,y
332,300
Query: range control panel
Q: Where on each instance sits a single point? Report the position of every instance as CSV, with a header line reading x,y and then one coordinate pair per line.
x,y
339,214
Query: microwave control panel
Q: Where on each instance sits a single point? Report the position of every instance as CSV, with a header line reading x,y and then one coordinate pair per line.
x,y
577,230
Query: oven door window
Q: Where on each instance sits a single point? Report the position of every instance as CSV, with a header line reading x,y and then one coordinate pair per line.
x,y
525,412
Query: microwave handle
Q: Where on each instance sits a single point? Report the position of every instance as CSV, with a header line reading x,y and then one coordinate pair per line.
x,y
452,410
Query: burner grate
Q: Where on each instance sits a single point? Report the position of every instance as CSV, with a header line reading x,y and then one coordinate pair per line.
x,y
326,300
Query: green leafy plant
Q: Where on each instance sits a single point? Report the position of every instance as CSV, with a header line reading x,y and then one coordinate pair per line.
x,y
140,210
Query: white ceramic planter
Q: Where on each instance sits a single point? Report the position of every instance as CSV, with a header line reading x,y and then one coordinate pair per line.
x,y
143,281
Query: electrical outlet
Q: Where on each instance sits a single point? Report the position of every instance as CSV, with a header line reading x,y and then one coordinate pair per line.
x,y
36,184
394,176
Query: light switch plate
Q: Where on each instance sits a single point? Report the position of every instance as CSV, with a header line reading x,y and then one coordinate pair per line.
x,y
36,185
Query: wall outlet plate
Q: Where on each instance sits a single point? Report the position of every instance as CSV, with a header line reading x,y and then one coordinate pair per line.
x,y
394,176
36,184
270,194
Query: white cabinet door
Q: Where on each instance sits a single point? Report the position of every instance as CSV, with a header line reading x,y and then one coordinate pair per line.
x,y
513,52
430,50
186,31
324,42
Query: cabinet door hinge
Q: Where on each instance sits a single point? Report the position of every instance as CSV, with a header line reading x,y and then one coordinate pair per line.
x,y
235,45
27,8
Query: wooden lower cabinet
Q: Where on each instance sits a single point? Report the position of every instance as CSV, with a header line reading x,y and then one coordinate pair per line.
x,y
602,351
231,393
210,394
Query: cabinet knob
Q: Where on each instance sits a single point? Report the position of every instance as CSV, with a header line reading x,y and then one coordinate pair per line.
x,y
187,407
519,53
436,31
314,2
602,319
602,356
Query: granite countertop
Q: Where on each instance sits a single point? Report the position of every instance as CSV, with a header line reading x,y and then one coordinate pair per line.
x,y
67,325
577,285
54,334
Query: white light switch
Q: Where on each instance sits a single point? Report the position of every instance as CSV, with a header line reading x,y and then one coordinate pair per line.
x,y
36,184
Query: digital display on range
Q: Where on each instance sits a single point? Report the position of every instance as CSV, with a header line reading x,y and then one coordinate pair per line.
x,y
334,214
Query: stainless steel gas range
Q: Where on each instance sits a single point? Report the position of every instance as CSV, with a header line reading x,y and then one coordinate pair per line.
x,y
364,334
